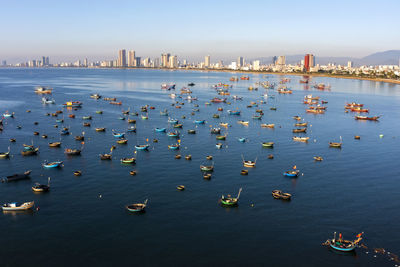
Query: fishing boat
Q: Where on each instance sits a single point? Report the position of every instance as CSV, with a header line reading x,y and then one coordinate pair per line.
x,y
218,145
8,115
375,118
100,129
224,124
144,117
268,144
188,157
173,121
99,112
128,160
199,121
118,135
299,130
191,131
180,187
43,90
160,130
122,141
40,188
218,100
301,124
31,152
318,158
131,129
72,152
86,124
173,134
344,245
173,147
234,112
164,112
95,96
178,125
278,194
207,168
271,125
13,206
4,155
231,201
77,173
137,207
73,104
86,117
292,173
46,100
215,130
79,137
336,144
116,103
142,147
242,139
220,137
17,177
297,118
54,164
245,123
105,156
110,99
300,139
216,116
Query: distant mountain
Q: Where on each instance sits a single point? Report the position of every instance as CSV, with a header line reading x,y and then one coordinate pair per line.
x,y
390,57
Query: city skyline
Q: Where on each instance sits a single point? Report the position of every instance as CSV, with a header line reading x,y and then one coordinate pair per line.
x,y
72,30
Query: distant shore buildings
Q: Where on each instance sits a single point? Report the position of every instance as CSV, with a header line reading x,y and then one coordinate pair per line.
x,y
129,59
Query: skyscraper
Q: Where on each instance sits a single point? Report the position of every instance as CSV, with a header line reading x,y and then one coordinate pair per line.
x,y
274,58
207,61
122,58
85,63
131,58
240,62
165,60
281,61
308,61
137,61
173,61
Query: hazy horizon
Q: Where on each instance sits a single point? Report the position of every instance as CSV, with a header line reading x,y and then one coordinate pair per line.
x,y
68,31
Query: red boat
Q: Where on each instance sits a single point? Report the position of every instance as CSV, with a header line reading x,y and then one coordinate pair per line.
x,y
360,110
116,103
365,118
218,100
303,81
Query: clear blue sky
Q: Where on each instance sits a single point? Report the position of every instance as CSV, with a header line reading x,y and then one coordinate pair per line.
x,y
191,29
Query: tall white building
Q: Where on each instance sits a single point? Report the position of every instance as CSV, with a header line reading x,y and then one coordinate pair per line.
x,y
256,65
165,60
281,61
131,58
207,61
173,61
349,64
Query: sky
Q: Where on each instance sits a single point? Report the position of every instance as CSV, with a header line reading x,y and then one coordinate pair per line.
x,y
97,29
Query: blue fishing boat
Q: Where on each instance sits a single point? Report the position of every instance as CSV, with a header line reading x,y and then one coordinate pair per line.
x,y
219,145
8,115
54,164
65,131
173,134
293,173
234,112
173,147
119,135
199,121
160,130
242,139
173,121
344,245
164,113
131,129
142,147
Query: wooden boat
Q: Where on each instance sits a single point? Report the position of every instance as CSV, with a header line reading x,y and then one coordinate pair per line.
x,y
86,124
301,124
231,201
128,160
95,96
278,194
188,157
375,118
137,207
64,131
72,116
15,207
270,156
343,245
100,129
164,112
271,125
131,121
4,155
110,99
144,117
178,156
180,187
173,121
191,131
160,130
105,156
224,124
8,115
17,177
293,173
116,103
118,135
318,158
199,121
297,118
173,134
257,117
360,110
245,123
234,112
30,152
35,133
72,152
299,130
54,164
77,173
335,144
122,141
207,168
207,176
99,112
244,172
215,130
142,147
249,163
73,104
43,90
178,125
173,147
300,139
218,100
46,100
242,139
268,144
357,137
218,145
79,137
315,111
86,117
131,129
284,91
39,188
220,137
133,172
209,157
12,140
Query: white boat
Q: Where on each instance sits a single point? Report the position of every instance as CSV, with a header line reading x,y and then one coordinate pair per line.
x,y
14,206
48,101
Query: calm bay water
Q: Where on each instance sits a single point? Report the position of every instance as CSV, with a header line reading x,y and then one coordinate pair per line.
x,y
82,220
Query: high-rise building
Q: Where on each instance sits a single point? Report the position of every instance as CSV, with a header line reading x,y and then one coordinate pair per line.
x,y
349,64
165,60
156,62
274,58
85,62
146,62
207,61
308,62
173,61
131,58
240,62
121,58
137,61
256,65
281,61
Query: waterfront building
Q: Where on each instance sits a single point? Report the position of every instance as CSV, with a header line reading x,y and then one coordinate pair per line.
x,y
131,58
274,59
256,65
146,62
308,62
156,63
349,64
165,60
137,61
207,61
240,62
121,58
85,62
281,61
173,61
